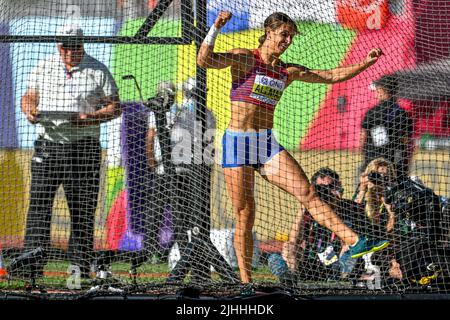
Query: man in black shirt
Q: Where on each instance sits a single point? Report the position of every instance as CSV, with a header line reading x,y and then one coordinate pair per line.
x,y
386,130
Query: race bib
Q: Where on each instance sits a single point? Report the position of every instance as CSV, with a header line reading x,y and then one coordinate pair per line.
x,y
380,136
267,89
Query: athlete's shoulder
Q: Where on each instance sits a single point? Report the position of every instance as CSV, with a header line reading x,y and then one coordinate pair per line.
x,y
242,51
243,58
296,67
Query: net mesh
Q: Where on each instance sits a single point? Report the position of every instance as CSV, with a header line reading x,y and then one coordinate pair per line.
x,y
186,187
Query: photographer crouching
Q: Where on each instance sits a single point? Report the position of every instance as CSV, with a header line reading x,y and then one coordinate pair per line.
x,y
418,232
410,214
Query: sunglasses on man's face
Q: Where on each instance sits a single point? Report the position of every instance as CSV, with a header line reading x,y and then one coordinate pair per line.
x,y
334,186
72,46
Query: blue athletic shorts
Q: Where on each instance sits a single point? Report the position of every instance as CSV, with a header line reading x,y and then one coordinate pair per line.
x,y
248,148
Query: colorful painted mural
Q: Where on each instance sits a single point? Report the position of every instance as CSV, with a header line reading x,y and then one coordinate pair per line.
x,y
338,120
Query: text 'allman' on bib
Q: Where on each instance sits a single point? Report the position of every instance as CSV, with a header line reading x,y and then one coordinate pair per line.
x,y
267,89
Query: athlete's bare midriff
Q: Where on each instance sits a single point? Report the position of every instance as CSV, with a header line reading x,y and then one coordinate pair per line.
x,y
247,117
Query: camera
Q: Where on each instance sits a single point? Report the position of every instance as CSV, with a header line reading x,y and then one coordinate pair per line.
x,y
164,99
378,178
325,192
415,202
160,102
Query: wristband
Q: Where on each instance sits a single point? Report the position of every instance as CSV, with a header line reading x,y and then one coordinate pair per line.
x,y
210,38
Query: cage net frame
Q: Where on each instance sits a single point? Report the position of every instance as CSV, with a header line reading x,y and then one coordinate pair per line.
x,y
143,209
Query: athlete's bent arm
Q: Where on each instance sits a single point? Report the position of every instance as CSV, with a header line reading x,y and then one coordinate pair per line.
x,y
336,75
207,58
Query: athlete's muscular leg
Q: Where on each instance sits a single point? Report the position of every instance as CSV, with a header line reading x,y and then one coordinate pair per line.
x,y
240,185
284,171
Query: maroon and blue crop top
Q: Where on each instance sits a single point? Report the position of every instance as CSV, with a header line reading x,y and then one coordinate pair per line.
x,y
260,86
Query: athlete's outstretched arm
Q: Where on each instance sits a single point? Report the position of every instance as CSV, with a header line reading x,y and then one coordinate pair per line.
x,y
207,58
336,75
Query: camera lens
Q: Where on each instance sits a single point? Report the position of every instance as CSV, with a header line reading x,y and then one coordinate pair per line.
x,y
374,176
377,178
324,192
